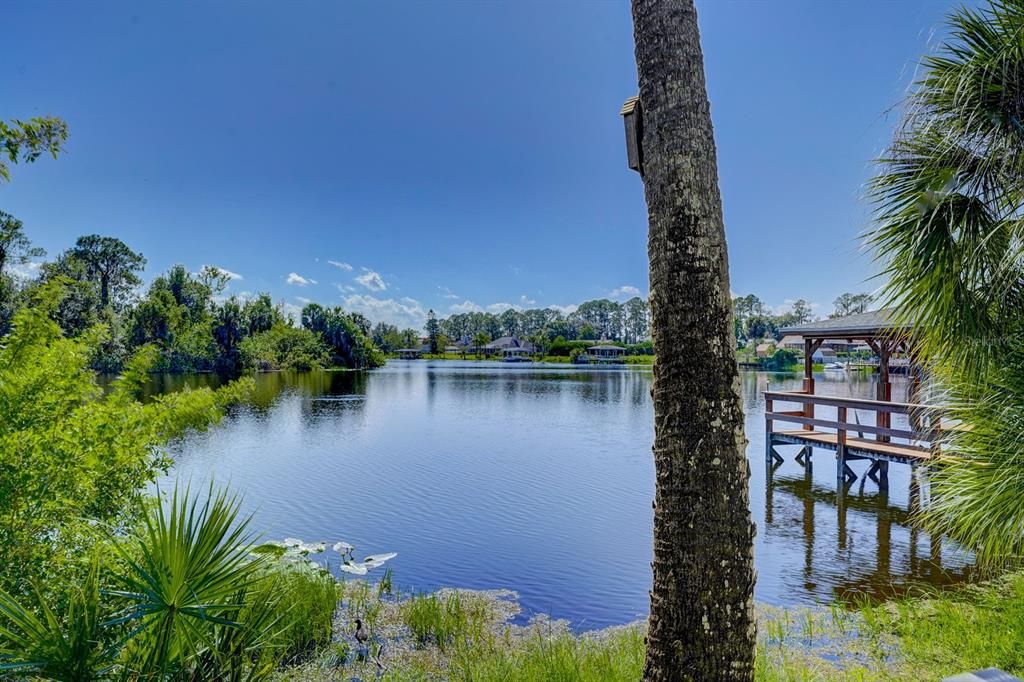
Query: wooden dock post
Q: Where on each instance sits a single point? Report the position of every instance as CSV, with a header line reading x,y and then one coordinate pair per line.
x,y
841,449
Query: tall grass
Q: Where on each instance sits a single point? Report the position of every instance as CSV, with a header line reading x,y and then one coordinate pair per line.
x,y
616,656
305,597
443,619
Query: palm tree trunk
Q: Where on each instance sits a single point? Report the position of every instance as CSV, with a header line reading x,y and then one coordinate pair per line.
x,y
701,624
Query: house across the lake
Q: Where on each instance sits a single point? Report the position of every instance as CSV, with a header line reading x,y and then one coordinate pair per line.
x,y
515,354
606,353
500,345
409,353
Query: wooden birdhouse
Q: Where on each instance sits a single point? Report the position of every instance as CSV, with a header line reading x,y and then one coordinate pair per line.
x,y
631,117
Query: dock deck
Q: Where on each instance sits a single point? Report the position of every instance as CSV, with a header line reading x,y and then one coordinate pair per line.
x,y
879,442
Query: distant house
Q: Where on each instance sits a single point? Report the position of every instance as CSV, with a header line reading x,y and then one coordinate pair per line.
x,y
515,354
499,346
792,342
823,356
764,350
409,353
606,352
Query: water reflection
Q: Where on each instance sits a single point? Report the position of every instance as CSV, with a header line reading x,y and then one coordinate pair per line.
x,y
538,479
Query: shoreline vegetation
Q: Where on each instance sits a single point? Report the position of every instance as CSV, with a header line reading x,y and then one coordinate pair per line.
x,y
480,636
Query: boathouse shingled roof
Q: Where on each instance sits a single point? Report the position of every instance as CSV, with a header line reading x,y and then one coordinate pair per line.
x,y
861,325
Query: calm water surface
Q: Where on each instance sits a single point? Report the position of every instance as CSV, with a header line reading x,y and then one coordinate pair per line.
x,y
538,479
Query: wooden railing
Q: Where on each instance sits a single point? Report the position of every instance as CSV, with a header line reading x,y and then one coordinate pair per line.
x,y
880,429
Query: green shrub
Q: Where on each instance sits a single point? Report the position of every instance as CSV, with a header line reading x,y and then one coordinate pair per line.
x,y
284,347
73,456
187,601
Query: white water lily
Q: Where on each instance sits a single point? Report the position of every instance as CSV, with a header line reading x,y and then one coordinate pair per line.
x,y
375,560
343,547
297,546
354,569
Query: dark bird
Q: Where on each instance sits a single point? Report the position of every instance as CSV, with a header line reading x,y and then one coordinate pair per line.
x,y
362,634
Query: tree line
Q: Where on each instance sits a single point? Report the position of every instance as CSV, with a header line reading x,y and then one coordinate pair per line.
x,y
184,315
753,320
627,322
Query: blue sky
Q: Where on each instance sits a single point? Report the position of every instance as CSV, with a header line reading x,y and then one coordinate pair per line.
x,y
395,157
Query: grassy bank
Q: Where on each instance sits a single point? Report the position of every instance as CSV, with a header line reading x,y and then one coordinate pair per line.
x,y
461,635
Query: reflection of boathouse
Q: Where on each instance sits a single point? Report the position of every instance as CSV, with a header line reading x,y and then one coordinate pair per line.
x,y
875,550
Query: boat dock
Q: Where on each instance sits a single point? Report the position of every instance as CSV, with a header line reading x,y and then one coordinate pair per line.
x,y
854,429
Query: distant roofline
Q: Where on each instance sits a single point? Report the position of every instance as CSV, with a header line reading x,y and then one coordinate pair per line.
x,y
871,324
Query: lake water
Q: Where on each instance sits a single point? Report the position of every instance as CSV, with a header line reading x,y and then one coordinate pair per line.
x,y
538,479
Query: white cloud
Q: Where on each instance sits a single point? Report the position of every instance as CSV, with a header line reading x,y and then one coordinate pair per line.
x,y
343,266
303,300
498,308
405,313
230,275
447,293
292,311
624,290
524,300
372,280
346,288
565,309
26,271
465,307
298,280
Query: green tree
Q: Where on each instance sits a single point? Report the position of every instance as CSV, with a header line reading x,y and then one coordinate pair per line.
x,y
948,236
480,339
228,332
851,304
15,247
701,625
511,324
410,338
349,346
110,264
636,315
260,315
433,331
26,141
386,337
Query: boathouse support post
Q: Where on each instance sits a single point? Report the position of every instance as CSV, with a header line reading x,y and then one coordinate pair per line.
x,y
884,385
840,450
810,345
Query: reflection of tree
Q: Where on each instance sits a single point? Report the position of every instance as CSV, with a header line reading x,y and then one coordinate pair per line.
x,y
883,579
